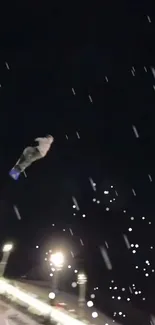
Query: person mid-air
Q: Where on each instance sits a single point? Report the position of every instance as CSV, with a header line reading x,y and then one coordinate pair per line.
x,y
31,154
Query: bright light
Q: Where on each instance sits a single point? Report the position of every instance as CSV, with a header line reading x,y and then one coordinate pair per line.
x,y
92,296
7,248
90,304
69,266
51,295
82,278
75,271
106,192
37,246
94,314
57,259
74,284
51,274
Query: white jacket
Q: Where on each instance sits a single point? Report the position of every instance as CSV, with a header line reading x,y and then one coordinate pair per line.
x,y
44,145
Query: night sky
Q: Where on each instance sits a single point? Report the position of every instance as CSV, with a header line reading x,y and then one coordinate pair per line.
x,y
84,75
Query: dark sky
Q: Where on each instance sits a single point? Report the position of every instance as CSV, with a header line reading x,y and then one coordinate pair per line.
x,y
107,53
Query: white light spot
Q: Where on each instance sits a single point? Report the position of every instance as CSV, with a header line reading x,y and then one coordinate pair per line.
x,y
90,304
119,298
92,296
146,274
37,246
51,295
106,78
107,209
145,69
94,314
134,251
74,284
66,136
98,201
83,215
130,229
132,218
51,274
81,241
106,192
94,200
69,266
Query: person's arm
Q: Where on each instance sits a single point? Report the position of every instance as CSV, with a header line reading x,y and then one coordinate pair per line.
x,y
38,139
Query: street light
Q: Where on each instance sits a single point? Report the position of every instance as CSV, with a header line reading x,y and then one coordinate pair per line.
x,y
82,280
57,260
7,248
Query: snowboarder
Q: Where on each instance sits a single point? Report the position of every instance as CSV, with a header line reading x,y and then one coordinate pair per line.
x,y
31,154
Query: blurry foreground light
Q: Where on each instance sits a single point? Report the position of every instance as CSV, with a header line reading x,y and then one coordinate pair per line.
x,y
51,295
90,304
7,247
94,314
57,259
92,296
74,284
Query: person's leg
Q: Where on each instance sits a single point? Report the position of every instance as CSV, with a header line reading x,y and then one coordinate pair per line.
x,y
30,154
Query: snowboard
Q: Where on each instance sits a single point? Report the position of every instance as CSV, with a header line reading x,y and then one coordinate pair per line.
x,y
14,173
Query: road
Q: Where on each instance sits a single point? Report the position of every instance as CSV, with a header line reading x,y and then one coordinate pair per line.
x,y
11,316
71,301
